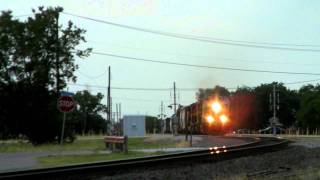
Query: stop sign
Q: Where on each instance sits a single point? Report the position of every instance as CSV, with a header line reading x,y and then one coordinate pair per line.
x,y
66,104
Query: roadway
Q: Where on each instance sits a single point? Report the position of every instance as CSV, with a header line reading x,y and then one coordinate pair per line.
x,y
28,160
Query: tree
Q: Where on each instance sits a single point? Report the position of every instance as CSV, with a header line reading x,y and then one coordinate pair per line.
x,y
289,103
34,59
242,108
152,124
308,116
88,115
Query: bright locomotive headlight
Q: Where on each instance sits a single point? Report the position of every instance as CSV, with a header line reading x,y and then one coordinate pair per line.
x,y
216,107
223,118
210,119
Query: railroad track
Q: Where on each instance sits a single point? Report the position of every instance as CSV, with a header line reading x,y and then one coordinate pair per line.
x,y
259,145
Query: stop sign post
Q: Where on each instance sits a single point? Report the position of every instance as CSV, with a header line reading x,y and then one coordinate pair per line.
x,y
65,105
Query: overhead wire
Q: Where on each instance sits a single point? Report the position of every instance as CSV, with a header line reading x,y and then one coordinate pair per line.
x,y
135,28
202,66
212,58
189,37
122,88
300,82
259,42
206,39
141,99
180,89
91,77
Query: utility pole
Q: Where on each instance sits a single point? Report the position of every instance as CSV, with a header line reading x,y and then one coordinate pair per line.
x,y
112,117
109,103
117,119
191,126
117,113
175,128
119,110
120,121
57,56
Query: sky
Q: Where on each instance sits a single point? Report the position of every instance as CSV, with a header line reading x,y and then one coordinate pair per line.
x,y
273,21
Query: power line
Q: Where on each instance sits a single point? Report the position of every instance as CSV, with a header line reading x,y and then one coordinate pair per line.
x,y
139,99
138,89
122,88
202,66
180,89
300,82
92,77
142,89
235,88
195,89
260,42
212,58
188,37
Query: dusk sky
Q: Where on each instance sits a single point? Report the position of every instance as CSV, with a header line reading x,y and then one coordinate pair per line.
x,y
270,21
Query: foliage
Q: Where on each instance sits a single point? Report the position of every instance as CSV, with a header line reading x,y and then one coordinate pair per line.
x,y
35,64
153,124
88,114
289,103
242,108
308,115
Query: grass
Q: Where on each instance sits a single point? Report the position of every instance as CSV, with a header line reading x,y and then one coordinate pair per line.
x,y
308,173
83,144
145,143
50,161
22,146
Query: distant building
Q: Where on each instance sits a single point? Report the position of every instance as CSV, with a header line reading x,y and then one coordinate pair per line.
x,y
134,125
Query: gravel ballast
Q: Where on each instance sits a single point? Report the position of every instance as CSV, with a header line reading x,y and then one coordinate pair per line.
x,y
298,161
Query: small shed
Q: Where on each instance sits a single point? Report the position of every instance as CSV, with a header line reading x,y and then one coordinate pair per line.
x,y
134,125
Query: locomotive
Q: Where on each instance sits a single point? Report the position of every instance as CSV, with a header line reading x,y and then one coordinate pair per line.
x,y
207,116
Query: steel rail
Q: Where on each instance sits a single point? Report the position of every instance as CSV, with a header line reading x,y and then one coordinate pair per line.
x,y
264,144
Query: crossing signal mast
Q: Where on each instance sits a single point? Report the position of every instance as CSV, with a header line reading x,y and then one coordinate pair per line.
x,y
274,106
162,118
174,118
